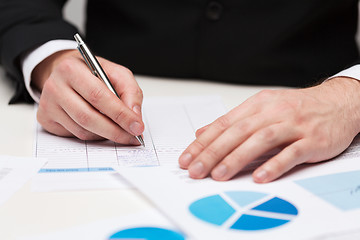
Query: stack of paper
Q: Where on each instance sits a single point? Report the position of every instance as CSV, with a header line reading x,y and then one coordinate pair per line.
x,y
312,202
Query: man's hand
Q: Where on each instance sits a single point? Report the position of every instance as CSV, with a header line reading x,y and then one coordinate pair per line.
x,y
76,103
309,125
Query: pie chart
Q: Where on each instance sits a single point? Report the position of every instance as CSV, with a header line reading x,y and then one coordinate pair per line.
x,y
147,233
244,210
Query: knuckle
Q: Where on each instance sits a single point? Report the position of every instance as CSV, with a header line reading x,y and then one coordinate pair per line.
x,y
267,135
222,122
121,138
50,87
133,90
65,66
95,95
120,116
243,126
277,166
323,142
198,145
119,73
291,109
212,152
83,118
265,94
295,152
126,71
81,134
234,157
199,132
115,76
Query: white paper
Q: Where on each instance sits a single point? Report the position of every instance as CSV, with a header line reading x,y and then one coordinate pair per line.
x,y
201,207
107,228
170,125
14,173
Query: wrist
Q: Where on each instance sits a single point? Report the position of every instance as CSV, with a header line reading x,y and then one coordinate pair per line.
x,y
344,92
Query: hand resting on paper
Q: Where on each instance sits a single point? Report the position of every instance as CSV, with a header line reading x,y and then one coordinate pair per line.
x,y
309,125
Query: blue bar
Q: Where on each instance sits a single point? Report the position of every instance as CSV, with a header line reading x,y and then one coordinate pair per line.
x,y
58,170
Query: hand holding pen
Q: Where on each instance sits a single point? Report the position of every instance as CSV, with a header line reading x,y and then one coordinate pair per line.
x,y
97,70
74,102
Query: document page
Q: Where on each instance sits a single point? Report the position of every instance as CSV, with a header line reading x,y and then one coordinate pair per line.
x,y
170,125
313,201
14,173
149,225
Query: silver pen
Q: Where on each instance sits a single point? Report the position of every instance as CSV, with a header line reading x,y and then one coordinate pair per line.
x,y
97,70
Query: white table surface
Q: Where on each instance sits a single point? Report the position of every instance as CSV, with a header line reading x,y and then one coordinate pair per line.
x,y
29,213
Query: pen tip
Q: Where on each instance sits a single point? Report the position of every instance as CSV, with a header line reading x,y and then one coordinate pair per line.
x,y
141,140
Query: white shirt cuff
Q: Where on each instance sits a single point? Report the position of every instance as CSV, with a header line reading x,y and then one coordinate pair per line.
x,y
353,72
33,58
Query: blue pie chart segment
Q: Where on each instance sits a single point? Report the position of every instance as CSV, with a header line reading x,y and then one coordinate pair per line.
x,y
252,223
277,205
213,209
245,198
147,233
244,210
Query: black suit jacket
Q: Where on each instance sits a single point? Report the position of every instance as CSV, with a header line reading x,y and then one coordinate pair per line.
x,y
271,42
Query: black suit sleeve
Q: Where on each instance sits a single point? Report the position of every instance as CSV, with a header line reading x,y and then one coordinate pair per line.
x,y
24,25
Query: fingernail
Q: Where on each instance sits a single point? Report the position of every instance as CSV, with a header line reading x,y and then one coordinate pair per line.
x,y
196,170
261,175
185,159
135,128
219,171
137,109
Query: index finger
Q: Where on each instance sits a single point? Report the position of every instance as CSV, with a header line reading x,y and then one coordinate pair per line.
x,y
94,91
125,85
